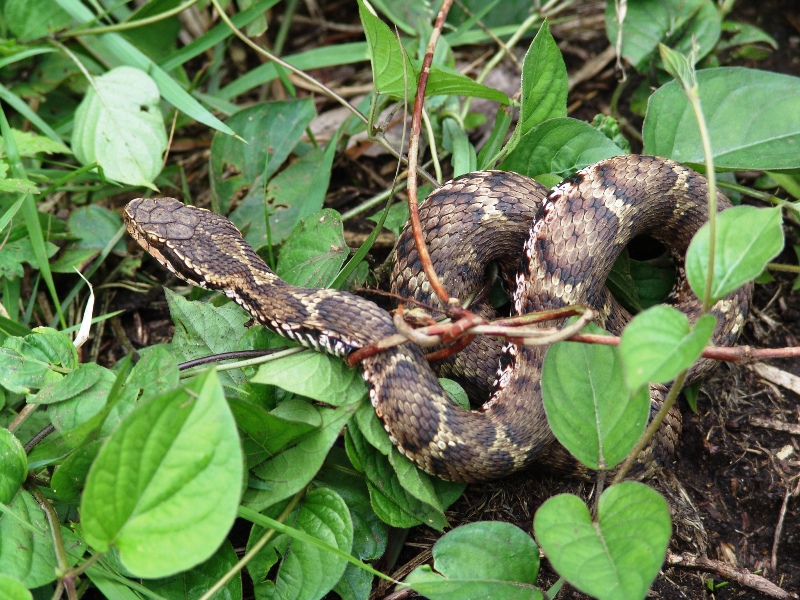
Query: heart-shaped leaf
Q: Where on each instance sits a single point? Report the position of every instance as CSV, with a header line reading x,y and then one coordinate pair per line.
x,y
618,556
481,560
659,343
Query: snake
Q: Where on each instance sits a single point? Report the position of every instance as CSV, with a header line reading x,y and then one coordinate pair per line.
x,y
555,247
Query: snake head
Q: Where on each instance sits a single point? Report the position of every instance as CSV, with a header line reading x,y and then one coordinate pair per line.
x,y
170,231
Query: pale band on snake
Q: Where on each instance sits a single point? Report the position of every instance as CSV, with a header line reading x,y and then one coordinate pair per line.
x,y
556,248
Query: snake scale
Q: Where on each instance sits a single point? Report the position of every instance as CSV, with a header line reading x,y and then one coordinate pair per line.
x,y
570,238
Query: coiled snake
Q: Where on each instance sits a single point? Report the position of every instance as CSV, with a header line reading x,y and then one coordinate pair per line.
x,y
574,234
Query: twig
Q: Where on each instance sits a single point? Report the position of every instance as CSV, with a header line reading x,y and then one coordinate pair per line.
x,y
775,425
779,527
740,576
413,156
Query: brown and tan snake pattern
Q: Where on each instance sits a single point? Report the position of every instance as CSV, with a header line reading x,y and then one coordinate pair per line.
x,y
574,234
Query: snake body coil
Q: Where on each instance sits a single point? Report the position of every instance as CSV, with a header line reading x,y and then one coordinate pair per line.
x,y
581,227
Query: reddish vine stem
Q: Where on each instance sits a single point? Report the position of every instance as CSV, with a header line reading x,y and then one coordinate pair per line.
x,y
413,155
734,354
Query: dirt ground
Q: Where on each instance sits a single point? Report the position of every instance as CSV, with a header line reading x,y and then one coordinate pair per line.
x,y
734,485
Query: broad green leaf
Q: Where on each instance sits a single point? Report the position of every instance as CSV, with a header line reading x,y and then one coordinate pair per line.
x,y
396,75
291,195
745,33
12,588
31,19
26,545
768,139
267,431
314,375
315,251
30,143
672,22
480,560
561,146
292,469
370,534
392,502
588,405
164,488
156,372
36,360
271,130
370,426
615,558
488,154
113,46
305,571
544,82
202,329
20,251
391,68
747,239
197,581
13,466
69,479
96,226
119,126
659,343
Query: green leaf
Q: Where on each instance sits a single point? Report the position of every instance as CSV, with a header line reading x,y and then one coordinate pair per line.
x,y
202,329
13,466
30,143
114,47
289,471
119,126
26,545
747,239
33,362
196,582
271,433
659,343
21,251
392,501
69,479
29,20
271,130
544,82
480,560
457,142
672,22
306,570
315,251
615,558
12,588
165,487
315,375
745,33
588,406
561,146
768,139
96,226
396,76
